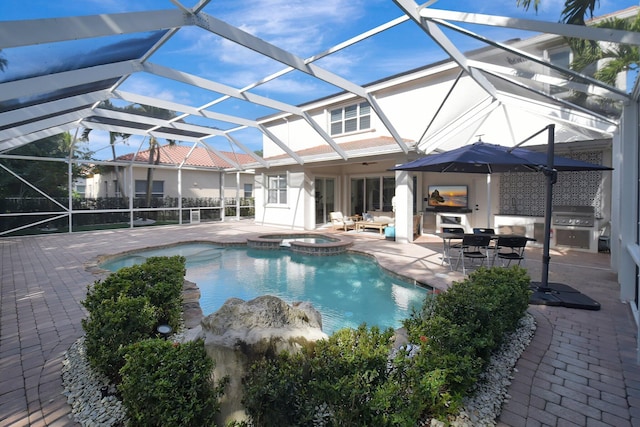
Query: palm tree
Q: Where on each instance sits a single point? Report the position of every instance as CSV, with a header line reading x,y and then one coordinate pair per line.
x,y
587,53
573,13
620,57
113,138
154,145
3,62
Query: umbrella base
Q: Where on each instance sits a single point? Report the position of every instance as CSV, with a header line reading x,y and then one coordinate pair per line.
x,y
558,294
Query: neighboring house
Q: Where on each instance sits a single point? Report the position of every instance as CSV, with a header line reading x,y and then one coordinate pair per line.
x,y
345,165
80,186
176,176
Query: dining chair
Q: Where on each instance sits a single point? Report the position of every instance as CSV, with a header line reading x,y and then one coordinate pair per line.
x,y
474,247
448,244
514,249
493,247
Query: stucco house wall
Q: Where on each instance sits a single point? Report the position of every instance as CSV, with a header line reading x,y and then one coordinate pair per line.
x,y
194,183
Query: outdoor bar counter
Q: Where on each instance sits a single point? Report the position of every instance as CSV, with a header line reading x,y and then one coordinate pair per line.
x,y
578,238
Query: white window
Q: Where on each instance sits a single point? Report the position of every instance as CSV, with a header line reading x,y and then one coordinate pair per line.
x,y
157,189
248,190
562,58
277,189
351,119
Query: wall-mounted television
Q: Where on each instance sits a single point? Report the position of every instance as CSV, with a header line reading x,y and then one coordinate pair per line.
x,y
448,196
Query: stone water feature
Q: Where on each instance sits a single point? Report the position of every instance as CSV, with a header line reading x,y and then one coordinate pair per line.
x,y
241,332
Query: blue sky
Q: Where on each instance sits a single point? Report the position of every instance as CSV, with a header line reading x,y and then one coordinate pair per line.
x,y
304,28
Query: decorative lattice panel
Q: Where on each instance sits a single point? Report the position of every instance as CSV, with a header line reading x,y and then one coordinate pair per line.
x,y
523,193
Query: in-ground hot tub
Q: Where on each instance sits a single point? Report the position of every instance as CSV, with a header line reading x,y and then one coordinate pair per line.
x,y
305,243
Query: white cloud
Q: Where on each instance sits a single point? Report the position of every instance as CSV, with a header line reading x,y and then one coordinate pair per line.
x,y
289,86
296,26
143,85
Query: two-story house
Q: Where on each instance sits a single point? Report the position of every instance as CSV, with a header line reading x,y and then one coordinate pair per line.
x,y
432,109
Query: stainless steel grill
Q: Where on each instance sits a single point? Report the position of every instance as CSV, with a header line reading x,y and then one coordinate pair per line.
x,y
574,216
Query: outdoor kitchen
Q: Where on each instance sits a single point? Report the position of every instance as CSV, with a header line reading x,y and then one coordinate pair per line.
x,y
572,227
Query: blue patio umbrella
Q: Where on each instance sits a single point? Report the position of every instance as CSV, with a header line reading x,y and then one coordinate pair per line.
x,y
482,157
485,158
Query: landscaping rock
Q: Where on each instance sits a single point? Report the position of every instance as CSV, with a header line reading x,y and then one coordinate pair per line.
x,y
191,310
240,333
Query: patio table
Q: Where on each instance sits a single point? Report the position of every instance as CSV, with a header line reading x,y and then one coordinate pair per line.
x,y
379,225
447,239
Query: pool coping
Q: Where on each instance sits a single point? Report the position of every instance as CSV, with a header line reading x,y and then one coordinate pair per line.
x,y
273,241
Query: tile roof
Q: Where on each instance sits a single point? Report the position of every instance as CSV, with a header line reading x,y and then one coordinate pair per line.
x,y
201,157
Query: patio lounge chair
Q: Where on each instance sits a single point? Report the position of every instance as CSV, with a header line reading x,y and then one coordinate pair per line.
x,y
339,222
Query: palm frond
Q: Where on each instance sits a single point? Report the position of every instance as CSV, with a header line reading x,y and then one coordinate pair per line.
x,y
575,10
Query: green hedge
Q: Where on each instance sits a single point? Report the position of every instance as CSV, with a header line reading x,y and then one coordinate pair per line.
x,y
128,306
350,379
116,324
341,375
460,329
169,384
161,383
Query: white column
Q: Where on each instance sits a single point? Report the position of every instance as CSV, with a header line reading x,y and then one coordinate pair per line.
x,y
222,201
238,195
180,196
131,192
70,188
404,211
624,233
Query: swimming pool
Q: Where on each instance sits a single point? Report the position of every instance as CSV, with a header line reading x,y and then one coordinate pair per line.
x,y
348,289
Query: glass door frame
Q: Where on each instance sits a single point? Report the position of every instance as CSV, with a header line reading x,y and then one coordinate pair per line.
x,y
323,206
380,191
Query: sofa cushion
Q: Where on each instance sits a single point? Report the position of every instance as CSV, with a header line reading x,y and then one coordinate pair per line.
x,y
382,216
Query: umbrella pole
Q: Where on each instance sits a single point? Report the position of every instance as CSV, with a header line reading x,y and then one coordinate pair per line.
x,y
489,201
555,293
552,177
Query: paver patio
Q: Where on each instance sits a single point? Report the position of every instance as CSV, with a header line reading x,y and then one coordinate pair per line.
x,y
580,369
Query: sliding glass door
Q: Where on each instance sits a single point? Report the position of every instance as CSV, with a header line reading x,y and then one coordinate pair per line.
x,y
325,198
372,194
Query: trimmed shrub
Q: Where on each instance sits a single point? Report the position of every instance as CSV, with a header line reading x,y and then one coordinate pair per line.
x,y
276,392
346,372
115,325
169,384
460,329
128,306
158,278
340,381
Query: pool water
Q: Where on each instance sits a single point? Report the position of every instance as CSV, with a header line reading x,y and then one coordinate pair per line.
x,y
348,289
